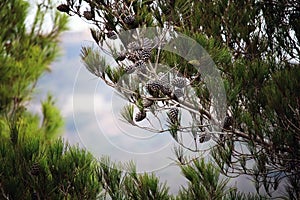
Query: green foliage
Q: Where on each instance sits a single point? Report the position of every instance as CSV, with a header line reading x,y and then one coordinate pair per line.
x,y
52,119
25,54
203,181
32,164
255,45
110,176
144,186
73,171
93,62
52,171
127,113
129,184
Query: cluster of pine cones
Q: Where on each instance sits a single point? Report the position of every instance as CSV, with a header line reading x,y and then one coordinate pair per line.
x,y
138,53
172,89
160,88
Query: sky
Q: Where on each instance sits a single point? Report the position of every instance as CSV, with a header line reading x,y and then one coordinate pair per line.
x,y
91,113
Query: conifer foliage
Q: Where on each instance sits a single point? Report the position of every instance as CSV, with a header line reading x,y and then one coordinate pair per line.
x,y
34,164
255,45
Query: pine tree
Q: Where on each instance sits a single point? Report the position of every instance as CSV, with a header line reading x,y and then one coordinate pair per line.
x,y
254,44
34,164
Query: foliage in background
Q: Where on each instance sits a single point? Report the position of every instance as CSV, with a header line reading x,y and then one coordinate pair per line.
x,y
255,45
33,163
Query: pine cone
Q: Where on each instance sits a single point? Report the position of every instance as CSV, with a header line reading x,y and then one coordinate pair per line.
x,y
129,19
227,123
129,69
132,57
140,64
153,88
173,115
140,116
111,35
63,8
88,15
166,89
145,54
179,82
35,169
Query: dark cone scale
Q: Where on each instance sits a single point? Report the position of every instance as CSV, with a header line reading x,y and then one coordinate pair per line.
x,y
88,15
173,115
140,64
129,19
63,8
132,57
140,116
145,54
153,88
166,89
129,69
111,35
227,123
